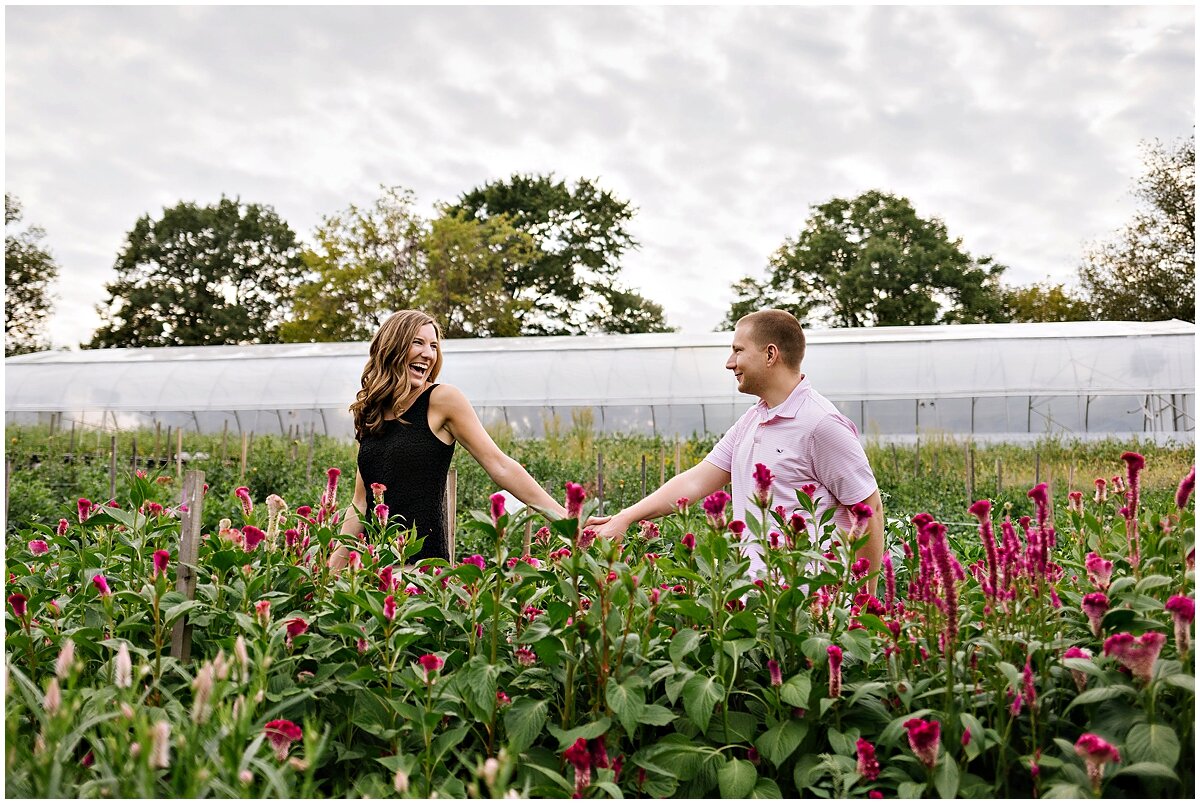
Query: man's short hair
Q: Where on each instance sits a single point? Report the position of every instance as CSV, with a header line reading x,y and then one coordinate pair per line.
x,y
780,328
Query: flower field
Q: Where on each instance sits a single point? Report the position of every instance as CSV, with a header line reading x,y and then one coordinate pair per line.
x,y
1042,651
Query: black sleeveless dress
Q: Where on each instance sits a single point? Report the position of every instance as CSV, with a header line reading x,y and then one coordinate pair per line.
x,y
413,463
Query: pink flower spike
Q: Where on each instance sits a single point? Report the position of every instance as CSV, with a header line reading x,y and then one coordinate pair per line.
x,y
774,670
924,737
525,657
377,490
681,505
430,663
1183,609
1096,752
1099,571
62,527
381,513
281,734
575,498
835,671
18,602
243,494
497,508
868,765
262,610
1101,496
1186,486
38,547
252,537
1079,676
101,584
295,627
763,479
1095,605
862,513
85,508
162,560
688,541
389,608
714,508
1138,654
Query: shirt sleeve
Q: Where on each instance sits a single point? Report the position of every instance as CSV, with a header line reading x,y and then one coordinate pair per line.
x,y
839,462
721,455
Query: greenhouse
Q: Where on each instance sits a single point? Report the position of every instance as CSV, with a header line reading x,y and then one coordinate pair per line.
x,y
993,381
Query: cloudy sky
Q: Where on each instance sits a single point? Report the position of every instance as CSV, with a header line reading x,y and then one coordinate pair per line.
x,y
1019,127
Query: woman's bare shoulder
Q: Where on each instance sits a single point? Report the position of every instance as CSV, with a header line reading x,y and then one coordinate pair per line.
x,y
446,395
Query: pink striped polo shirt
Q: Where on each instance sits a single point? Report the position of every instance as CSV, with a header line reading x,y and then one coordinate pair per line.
x,y
803,440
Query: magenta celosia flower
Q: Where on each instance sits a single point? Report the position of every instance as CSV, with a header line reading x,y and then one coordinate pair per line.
x,y
162,560
924,737
860,513
1041,499
329,498
18,601
377,490
85,508
251,537
1183,609
243,494
737,527
1029,689
1185,488
940,549
1096,752
775,671
389,608
586,537
762,485
860,567
387,580
354,561
1075,502
1095,606
502,698
38,547
430,663
1138,654
262,610
525,657
62,527
868,765
575,498
835,671
101,584
497,508
688,541
1079,676
295,627
381,512
1101,495
1099,571
477,560
889,583
281,734
681,505
982,510
580,757
809,489
714,508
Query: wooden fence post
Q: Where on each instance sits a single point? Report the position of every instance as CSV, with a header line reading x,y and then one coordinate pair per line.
x,y
7,474
112,469
528,538
189,545
451,508
662,465
999,477
678,456
224,440
179,452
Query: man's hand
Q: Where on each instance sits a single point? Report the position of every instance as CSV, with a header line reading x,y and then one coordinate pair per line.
x,y
608,527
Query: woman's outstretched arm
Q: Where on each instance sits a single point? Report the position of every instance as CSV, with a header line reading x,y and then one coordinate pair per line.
x,y
351,525
461,421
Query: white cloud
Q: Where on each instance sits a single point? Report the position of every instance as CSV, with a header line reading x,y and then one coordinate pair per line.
x,y
1018,126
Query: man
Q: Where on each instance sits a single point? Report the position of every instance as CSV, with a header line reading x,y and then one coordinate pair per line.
x,y
794,431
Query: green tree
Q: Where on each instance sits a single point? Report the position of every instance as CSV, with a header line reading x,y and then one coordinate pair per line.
x,y
466,262
1044,302
580,234
749,295
200,276
29,269
1147,272
367,264
872,261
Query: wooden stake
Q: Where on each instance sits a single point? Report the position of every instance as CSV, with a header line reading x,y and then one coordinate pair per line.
x,y
245,449
662,465
189,545
451,510
528,538
678,457
999,477
112,469
1037,467
643,474
179,452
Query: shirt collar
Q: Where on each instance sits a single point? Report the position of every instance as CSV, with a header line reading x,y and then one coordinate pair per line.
x,y
790,406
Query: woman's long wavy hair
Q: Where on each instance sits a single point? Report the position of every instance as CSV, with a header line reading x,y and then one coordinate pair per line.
x,y
385,380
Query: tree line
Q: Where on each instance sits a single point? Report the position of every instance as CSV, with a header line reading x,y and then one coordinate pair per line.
x,y
536,255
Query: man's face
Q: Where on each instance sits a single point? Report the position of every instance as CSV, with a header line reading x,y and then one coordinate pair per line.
x,y
747,361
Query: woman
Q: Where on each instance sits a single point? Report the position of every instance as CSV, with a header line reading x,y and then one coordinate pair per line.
x,y
407,426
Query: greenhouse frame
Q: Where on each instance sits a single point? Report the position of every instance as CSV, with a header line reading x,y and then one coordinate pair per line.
x,y
988,381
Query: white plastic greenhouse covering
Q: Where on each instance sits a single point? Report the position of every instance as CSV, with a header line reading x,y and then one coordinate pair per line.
x,y
990,380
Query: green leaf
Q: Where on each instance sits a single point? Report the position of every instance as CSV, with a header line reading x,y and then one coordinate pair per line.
x,y
1152,742
700,696
766,788
796,690
1182,680
1152,582
910,790
175,612
736,778
1065,790
588,731
1150,769
655,715
1102,694
448,740
945,777
683,643
778,742
626,701
523,722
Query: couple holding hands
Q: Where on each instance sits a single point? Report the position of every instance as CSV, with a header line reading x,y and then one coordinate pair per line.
x,y
407,425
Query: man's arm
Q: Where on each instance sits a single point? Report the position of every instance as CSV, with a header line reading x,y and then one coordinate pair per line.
x,y
696,483
873,549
